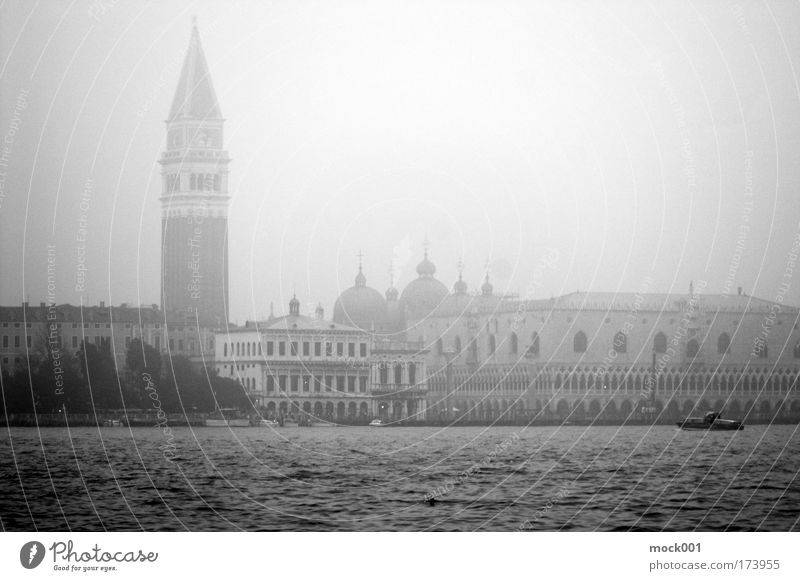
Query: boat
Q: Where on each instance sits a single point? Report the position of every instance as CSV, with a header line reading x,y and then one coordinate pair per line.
x,y
227,418
112,423
378,423
267,423
710,421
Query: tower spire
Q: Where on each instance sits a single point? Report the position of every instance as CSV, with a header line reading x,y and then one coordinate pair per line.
x,y
195,97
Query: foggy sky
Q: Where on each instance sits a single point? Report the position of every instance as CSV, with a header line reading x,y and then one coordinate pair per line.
x,y
633,139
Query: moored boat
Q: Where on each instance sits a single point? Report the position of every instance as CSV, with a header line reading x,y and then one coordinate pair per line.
x,y
378,423
710,421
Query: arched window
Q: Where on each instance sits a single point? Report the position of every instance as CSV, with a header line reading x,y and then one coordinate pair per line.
x,y
621,342
248,349
412,374
383,372
513,346
797,350
492,344
534,346
237,349
473,349
439,346
457,345
579,342
398,374
761,350
692,348
225,349
723,344
660,343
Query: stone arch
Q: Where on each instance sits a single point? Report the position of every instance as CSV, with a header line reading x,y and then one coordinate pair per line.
x,y
562,408
329,410
352,409
492,344
594,408
513,343
625,409
340,410
318,409
692,348
610,410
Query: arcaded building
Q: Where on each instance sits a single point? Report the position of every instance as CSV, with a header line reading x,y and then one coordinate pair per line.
x,y
591,356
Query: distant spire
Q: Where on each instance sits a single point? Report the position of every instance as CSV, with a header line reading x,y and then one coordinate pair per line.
x,y
361,280
195,97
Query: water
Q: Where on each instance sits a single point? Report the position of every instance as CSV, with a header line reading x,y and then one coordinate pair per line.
x,y
369,479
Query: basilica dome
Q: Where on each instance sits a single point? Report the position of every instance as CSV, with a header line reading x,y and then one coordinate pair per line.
x,y
423,295
361,306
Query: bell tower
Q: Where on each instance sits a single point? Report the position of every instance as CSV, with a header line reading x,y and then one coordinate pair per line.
x,y
194,198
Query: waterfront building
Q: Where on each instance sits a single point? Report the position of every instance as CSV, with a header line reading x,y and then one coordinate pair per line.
x,y
28,333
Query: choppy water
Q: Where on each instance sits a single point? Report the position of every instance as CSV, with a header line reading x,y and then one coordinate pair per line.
x,y
567,478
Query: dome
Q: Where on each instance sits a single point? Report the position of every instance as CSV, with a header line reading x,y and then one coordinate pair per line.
x,y
360,306
423,295
460,287
486,287
426,267
391,294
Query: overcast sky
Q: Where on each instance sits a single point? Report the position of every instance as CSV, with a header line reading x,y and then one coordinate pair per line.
x,y
629,139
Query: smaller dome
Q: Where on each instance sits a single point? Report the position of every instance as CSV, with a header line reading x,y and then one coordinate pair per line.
x,y
460,287
391,294
294,306
361,280
426,267
486,287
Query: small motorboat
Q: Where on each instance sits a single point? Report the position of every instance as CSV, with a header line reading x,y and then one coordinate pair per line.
x,y
377,423
112,423
710,421
267,423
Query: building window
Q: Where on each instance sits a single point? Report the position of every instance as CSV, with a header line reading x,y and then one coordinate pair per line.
x,y
340,383
796,351
340,349
362,350
225,349
16,340
660,343
281,348
317,382
351,384
306,383
282,383
5,341
579,342
492,344
723,344
74,342
293,348
328,348
270,383
533,349
692,348
306,348
295,380
412,374
513,344
270,348
329,383
362,384
317,348
398,374
383,373
621,342
351,349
